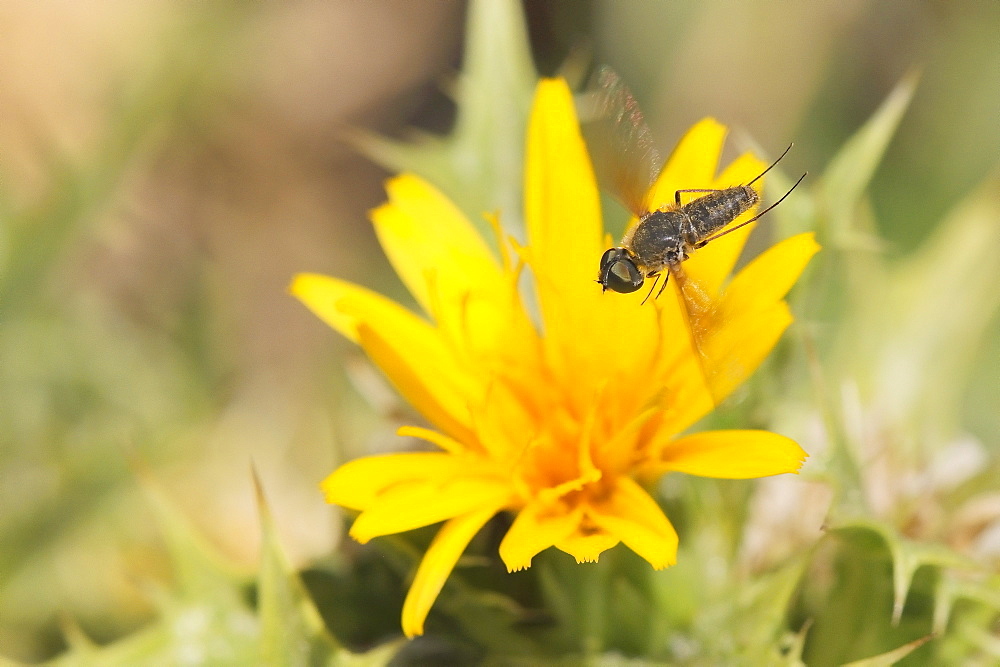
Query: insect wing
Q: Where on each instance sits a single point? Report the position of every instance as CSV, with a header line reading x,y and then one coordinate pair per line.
x,y
721,369
620,143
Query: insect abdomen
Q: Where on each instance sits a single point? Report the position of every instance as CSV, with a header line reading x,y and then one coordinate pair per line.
x,y
715,210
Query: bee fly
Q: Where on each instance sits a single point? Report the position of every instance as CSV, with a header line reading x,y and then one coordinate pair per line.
x,y
627,165
662,239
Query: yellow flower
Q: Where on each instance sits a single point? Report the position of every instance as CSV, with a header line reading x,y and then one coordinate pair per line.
x,y
554,421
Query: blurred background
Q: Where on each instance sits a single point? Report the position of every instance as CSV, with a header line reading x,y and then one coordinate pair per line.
x,y
165,168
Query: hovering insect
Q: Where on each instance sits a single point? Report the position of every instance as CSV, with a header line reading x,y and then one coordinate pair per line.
x,y
662,239
657,245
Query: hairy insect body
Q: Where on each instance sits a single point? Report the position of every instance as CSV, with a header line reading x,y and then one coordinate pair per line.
x,y
709,214
659,239
656,247
665,238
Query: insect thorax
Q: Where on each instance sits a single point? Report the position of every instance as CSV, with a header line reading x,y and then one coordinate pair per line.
x,y
659,239
666,237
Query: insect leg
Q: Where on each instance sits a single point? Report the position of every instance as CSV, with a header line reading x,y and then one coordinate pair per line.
x,y
663,285
677,195
656,278
743,224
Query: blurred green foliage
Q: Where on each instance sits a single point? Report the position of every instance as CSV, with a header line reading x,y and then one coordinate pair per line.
x,y
890,378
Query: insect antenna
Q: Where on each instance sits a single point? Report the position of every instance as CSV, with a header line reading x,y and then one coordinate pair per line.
x,y
772,165
743,224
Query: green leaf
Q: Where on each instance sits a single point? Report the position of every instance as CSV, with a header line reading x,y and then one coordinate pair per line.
x,y
207,619
922,371
851,170
480,165
200,573
204,619
762,606
952,589
890,658
291,629
906,556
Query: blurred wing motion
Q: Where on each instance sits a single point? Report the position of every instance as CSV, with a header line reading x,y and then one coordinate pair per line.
x,y
627,165
721,368
620,143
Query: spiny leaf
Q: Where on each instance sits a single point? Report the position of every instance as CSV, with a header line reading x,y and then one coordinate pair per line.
x,y
292,631
77,640
480,165
200,573
891,657
766,600
850,172
907,557
951,589
190,634
203,619
949,274
796,646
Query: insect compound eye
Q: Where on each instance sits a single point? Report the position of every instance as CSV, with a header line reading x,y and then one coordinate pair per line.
x,y
624,276
619,272
609,256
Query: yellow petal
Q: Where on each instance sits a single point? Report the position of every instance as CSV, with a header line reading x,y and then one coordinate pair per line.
x,y
562,207
741,344
631,515
587,547
412,505
344,305
741,171
423,233
449,268
427,376
563,219
441,440
537,527
506,420
692,163
357,484
769,277
684,398
437,564
711,265
407,349
732,454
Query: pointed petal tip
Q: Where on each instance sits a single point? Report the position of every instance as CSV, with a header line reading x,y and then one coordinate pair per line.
x,y
339,488
709,121
382,209
809,243
299,283
395,182
549,84
437,564
329,487
734,454
359,536
413,630
664,564
325,490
